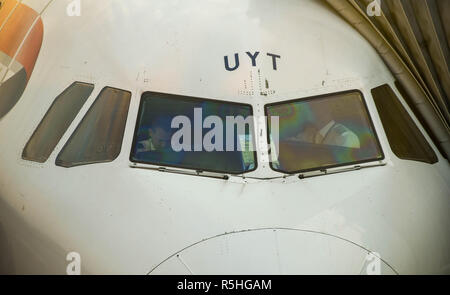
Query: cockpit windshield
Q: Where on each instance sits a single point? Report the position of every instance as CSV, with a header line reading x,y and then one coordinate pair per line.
x,y
322,132
194,133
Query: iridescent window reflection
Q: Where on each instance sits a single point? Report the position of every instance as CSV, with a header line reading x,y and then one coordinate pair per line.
x,y
323,132
163,118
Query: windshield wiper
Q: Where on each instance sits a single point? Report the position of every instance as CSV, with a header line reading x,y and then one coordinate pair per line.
x,y
321,172
184,172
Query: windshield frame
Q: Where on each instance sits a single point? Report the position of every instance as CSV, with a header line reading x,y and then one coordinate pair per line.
x,y
324,168
147,94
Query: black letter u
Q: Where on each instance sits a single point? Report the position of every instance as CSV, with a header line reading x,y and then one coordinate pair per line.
x,y
236,59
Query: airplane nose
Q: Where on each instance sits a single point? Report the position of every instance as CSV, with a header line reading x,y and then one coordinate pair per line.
x,y
272,252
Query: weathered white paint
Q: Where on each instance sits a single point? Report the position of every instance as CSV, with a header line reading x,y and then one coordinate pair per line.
x,y
125,220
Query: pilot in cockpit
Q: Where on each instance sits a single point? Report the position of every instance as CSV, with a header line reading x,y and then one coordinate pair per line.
x,y
325,130
156,137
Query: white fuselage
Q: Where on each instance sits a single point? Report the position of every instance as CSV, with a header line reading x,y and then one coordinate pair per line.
x,y
135,221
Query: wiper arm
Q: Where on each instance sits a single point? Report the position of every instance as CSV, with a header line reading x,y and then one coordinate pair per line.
x,y
184,172
321,172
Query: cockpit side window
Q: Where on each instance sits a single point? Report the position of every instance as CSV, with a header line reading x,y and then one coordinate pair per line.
x,y
321,132
98,137
405,138
194,133
56,121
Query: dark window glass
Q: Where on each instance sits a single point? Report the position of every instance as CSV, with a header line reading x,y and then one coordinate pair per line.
x,y
418,115
98,138
11,90
56,121
194,133
322,132
405,139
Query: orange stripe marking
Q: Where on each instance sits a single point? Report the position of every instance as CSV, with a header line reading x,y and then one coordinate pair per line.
x,y
8,5
30,50
15,29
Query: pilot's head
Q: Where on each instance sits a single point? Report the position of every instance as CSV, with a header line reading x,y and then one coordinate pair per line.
x,y
160,133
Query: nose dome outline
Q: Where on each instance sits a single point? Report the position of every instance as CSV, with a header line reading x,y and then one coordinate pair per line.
x,y
269,251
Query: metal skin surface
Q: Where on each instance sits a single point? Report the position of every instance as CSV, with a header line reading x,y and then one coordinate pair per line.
x,y
124,220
